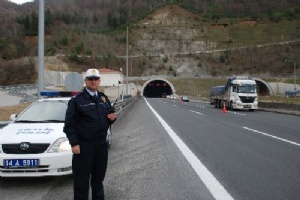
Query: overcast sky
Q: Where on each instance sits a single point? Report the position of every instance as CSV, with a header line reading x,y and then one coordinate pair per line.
x,y
20,1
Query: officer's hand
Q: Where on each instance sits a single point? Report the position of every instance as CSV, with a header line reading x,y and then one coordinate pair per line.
x,y
76,149
112,116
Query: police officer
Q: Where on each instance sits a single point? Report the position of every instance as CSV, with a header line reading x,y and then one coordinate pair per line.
x,y
88,118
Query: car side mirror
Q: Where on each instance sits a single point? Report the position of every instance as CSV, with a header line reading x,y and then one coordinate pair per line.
x,y
13,117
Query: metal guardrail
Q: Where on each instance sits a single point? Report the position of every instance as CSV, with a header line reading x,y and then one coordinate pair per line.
x,y
29,99
121,104
19,87
26,91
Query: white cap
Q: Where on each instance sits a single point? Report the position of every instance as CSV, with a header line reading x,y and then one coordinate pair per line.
x,y
92,73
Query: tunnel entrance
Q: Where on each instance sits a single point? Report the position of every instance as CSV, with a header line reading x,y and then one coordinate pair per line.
x,y
262,88
160,87
157,89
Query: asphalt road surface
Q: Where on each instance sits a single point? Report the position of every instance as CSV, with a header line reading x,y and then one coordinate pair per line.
x,y
165,150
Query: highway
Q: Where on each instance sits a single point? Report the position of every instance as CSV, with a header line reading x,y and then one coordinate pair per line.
x,y
163,149
254,155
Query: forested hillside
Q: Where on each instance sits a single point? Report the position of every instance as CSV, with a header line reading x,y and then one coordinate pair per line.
x,y
166,37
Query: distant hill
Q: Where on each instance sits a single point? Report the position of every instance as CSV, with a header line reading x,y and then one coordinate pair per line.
x,y
181,39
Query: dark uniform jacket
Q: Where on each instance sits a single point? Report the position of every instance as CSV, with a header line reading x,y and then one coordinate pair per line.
x,y
86,118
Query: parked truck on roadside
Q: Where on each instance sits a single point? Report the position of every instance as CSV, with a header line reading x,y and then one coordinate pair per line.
x,y
238,93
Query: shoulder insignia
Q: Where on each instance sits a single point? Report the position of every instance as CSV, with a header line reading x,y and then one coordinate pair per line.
x,y
103,99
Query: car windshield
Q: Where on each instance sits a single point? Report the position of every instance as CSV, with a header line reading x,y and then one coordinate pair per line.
x,y
247,89
45,111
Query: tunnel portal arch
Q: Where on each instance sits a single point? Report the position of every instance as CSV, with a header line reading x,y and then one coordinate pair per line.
x,y
157,87
263,88
160,87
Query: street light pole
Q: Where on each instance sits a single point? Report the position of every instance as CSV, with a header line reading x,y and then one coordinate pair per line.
x,y
118,89
294,76
294,72
127,61
41,48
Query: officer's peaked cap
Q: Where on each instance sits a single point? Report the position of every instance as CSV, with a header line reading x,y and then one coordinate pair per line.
x,y
90,73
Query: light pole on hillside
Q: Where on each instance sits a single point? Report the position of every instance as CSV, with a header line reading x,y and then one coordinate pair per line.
x,y
127,58
41,49
294,72
127,61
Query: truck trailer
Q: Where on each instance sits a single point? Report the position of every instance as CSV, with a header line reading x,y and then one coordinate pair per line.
x,y
239,93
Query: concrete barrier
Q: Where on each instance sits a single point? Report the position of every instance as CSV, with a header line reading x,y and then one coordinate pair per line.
x,y
283,106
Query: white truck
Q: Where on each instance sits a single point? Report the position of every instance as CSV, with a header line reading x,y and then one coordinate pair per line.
x,y
238,93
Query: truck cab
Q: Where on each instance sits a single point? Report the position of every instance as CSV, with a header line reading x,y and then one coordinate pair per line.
x,y
242,95
238,93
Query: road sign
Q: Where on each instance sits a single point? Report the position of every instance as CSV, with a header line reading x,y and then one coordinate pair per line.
x,y
74,81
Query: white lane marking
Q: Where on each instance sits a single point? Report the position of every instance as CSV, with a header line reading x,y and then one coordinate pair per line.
x,y
272,136
175,106
201,106
236,113
212,184
196,112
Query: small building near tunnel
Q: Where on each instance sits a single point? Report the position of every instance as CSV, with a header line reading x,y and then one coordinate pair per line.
x,y
110,77
157,88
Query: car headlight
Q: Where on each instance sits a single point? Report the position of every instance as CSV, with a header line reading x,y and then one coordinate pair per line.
x,y
60,145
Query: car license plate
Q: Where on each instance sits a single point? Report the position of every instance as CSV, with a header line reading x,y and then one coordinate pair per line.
x,y
20,163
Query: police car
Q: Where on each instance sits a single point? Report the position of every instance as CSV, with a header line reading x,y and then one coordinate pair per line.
x,y
34,143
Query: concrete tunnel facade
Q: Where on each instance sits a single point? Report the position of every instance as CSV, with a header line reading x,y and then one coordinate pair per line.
x,y
263,88
157,87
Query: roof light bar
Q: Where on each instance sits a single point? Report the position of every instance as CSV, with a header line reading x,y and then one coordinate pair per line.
x,y
59,94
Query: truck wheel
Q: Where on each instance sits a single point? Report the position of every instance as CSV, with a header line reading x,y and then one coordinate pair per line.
x,y
231,106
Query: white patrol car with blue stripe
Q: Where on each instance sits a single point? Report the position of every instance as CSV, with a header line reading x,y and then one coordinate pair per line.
x,y
34,143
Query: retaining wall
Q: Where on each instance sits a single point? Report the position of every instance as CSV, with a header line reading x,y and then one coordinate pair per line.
x,y
281,106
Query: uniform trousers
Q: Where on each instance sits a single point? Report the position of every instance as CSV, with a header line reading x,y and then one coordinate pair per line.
x,y
89,167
